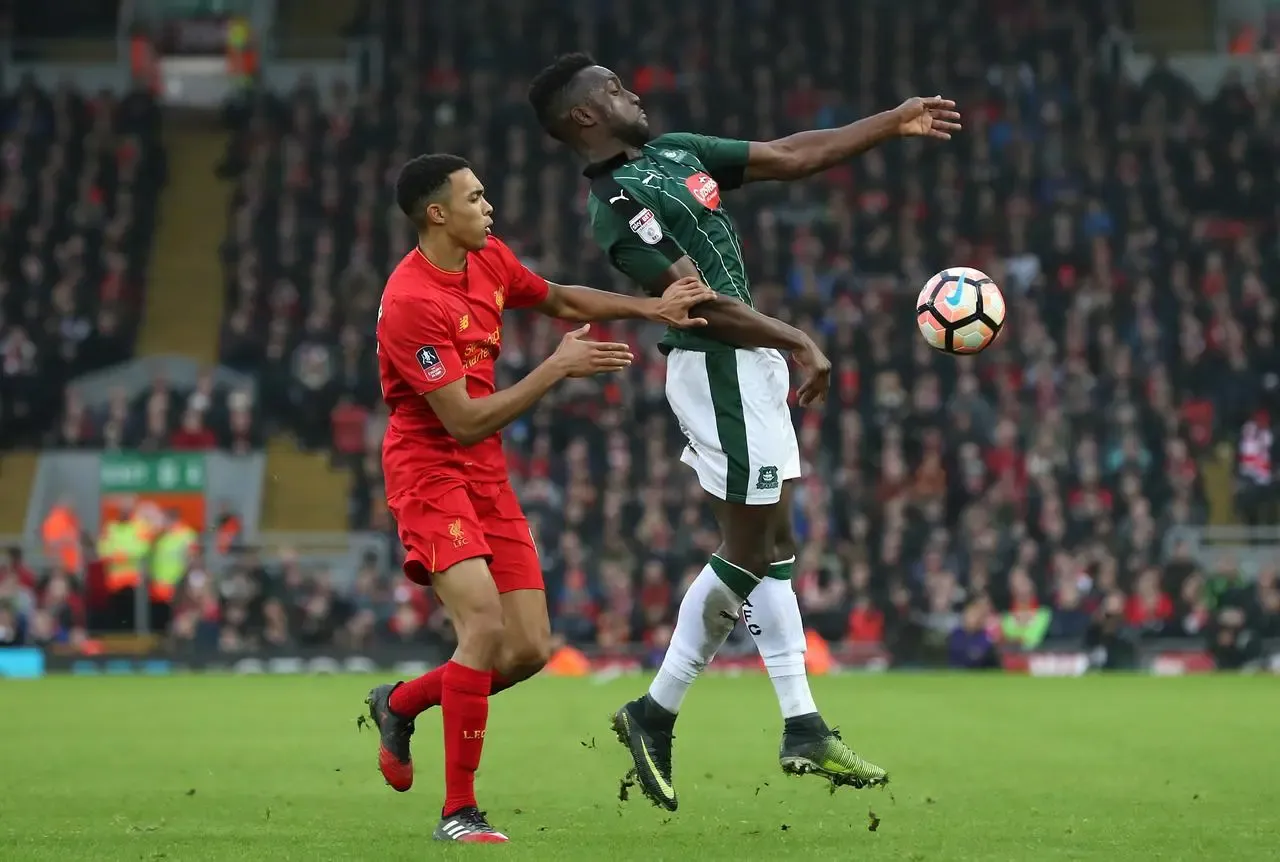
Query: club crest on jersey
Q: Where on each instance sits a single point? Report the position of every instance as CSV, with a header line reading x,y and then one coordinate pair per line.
x,y
499,298
645,225
704,189
429,359
456,533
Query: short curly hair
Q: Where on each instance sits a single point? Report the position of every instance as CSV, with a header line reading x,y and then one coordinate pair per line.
x,y
550,91
422,179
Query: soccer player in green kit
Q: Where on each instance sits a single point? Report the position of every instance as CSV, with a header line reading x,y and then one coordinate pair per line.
x,y
655,208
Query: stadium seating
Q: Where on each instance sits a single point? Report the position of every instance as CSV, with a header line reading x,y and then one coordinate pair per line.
x,y
79,181
1132,227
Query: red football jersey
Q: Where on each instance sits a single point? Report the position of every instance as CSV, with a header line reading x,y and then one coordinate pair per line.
x,y
436,327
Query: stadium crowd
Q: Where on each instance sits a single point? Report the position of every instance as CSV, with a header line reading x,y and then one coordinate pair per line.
x,y
80,176
949,507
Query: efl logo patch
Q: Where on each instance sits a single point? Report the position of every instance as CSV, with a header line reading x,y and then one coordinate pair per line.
x,y
645,225
432,367
704,189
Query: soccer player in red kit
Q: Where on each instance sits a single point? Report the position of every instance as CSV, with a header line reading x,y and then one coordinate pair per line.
x,y
439,332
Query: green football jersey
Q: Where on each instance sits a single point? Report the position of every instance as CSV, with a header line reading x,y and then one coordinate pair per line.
x,y
650,211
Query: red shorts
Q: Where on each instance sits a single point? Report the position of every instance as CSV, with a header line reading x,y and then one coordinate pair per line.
x,y
455,521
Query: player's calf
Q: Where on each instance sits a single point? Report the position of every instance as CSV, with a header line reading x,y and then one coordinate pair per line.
x,y
526,636
517,666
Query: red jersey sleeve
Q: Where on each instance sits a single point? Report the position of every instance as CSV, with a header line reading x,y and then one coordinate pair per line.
x,y
524,286
414,336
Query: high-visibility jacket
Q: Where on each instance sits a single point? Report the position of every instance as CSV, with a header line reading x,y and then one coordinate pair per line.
x,y
123,549
169,561
61,534
242,60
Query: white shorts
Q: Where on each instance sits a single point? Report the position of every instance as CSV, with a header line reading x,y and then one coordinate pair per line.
x,y
732,407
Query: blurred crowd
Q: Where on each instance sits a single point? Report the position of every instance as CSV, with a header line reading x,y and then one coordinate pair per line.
x,y
950,507
80,176
1131,225
161,417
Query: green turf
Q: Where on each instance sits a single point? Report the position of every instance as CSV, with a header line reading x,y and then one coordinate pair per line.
x,y
983,767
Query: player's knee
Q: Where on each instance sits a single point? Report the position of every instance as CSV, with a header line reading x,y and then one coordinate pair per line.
x,y
481,633
526,659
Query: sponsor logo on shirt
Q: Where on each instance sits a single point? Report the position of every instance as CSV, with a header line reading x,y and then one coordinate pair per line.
x,y
464,322
479,351
429,359
645,225
704,189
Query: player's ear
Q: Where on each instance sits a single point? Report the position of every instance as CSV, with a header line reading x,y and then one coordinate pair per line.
x,y
580,115
434,215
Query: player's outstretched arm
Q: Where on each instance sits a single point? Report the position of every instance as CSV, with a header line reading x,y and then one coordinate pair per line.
x,y
806,153
671,308
470,420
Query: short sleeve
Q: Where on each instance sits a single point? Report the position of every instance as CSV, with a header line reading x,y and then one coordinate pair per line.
x,y
524,286
724,158
414,336
631,233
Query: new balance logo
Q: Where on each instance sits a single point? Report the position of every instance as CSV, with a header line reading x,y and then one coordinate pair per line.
x,y
620,196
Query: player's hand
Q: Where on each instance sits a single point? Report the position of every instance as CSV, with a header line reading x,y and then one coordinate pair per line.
x,y
817,371
929,117
579,358
672,308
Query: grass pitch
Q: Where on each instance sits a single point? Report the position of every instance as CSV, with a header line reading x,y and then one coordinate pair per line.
x,y
983,768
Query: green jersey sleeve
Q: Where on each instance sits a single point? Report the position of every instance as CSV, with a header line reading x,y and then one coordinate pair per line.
x,y
724,158
630,232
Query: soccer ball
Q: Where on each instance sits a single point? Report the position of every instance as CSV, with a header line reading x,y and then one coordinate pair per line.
x,y
960,310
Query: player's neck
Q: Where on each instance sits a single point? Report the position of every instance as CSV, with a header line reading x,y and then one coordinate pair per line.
x,y
605,150
442,253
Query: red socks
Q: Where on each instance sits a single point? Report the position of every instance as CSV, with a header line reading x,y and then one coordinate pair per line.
x,y
418,695
465,706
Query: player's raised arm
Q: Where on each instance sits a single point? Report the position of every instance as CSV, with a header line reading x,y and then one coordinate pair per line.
x,y
415,338
670,307
806,153
577,303
470,420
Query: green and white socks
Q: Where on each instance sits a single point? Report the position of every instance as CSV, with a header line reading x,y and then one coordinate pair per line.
x,y
711,607
772,615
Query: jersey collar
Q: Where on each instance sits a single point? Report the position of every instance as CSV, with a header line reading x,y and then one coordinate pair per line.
x,y
608,166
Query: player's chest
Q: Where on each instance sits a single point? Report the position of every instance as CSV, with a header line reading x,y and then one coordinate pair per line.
x,y
476,322
678,192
